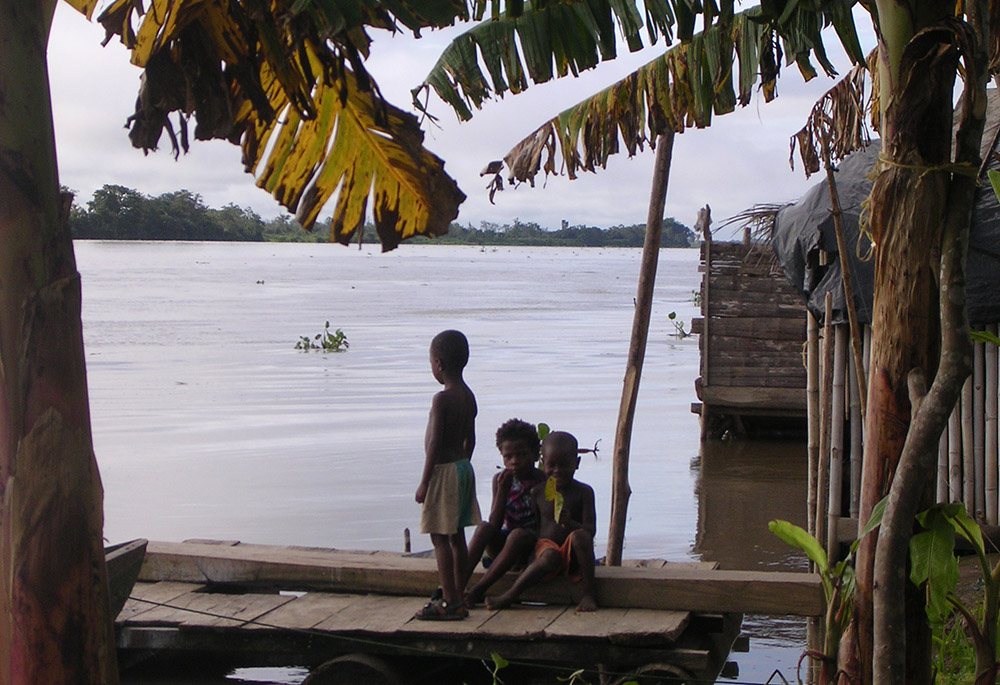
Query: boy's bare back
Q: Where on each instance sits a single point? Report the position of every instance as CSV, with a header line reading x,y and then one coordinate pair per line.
x,y
451,426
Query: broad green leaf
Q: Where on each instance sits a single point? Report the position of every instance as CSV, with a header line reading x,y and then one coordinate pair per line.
x,y
799,538
499,662
984,336
994,176
874,521
543,430
932,561
967,527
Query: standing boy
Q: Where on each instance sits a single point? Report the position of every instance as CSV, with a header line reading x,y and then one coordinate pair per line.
x,y
565,542
448,486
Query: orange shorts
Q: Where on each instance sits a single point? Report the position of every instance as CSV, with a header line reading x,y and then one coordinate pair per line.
x,y
565,554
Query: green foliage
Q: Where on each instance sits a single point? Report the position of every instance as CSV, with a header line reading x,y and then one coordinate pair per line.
x,y
119,213
679,325
954,656
838,580
324,341
499,663
543,430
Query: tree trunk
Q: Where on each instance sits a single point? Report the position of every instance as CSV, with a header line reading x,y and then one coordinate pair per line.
x,y
620,489
912,199
54,622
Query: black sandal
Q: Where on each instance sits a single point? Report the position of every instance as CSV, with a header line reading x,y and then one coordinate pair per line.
x,y
440,610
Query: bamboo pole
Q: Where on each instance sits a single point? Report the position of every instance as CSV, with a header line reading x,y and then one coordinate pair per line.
x,y
991,431
941,492
620,489
856,433
826,407
845,271
968,457
812,418
955,454
979,427
837,406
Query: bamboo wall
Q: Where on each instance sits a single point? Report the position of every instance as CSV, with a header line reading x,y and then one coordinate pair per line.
x,y
751,337
967,453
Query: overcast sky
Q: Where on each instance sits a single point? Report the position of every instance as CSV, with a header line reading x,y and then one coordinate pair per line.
x,y
741,160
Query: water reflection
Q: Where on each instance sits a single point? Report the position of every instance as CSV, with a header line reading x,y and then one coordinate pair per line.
x,y
740,486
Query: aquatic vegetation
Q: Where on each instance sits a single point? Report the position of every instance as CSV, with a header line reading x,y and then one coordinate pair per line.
x,y
324,341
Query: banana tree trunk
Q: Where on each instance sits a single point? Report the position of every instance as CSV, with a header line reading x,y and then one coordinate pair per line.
x,y
620,489
54,622
913,199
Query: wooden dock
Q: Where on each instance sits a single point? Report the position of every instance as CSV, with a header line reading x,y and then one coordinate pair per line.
x,y
751,333
331,610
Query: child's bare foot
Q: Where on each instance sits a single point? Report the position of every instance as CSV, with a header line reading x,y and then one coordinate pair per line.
x,y
588,603
498,603
473,597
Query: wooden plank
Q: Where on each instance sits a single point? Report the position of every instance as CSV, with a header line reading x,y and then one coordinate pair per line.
x,y
781,328
210,610
373,614
732,281
590,625
146,596
645,627
712,591
739,310
304,612
757,296
722,396
521,622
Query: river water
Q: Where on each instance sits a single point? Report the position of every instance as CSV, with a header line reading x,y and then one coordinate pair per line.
x,y
208,423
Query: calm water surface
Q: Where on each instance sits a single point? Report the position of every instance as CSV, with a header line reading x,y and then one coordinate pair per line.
x,y
209,424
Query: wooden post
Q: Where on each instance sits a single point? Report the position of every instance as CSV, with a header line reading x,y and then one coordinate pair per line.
x,y
979,427
826,407
991,431
955,454
856,433
968,457
812,417
620,489
837,404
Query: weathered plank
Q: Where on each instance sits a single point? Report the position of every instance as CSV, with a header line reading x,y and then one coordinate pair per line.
x,y
727,396
146,596
372,614
645,626
521,622
304,612
736,309
776,329
209,610
665,588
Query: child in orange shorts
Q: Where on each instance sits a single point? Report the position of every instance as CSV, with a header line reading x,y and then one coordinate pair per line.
x,y
565,543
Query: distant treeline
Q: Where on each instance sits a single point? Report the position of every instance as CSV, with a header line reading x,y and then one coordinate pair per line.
x,y
119,213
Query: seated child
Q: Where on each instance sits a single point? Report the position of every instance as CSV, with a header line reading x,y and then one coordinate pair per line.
x,y
565,546
508,537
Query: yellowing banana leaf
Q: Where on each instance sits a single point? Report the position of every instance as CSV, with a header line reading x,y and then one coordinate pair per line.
x,y
553,495
285,80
